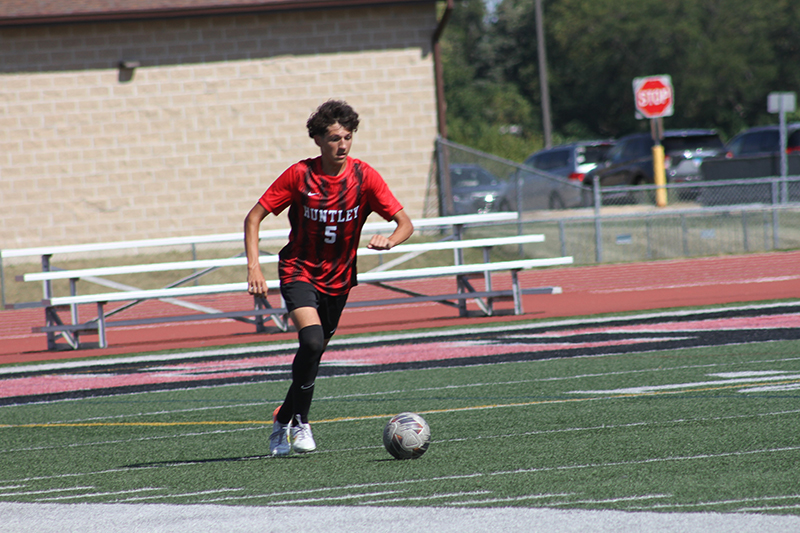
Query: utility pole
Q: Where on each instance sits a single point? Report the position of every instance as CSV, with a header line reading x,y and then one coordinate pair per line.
x,y
548,127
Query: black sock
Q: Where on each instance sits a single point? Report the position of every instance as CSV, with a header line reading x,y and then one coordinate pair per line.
x,y
304,372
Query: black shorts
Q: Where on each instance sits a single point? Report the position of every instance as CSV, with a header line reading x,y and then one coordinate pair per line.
x,y
329,308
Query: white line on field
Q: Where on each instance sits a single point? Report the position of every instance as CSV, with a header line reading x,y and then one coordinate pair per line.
x,y
698,284
430,497
716,503
767,508
48,491
511,499
332,498
161,413
96,494
613,500
339,450
523,471
138,439
674,386
177,495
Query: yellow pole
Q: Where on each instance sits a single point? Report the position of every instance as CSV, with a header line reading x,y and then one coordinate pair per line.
x,y
659,175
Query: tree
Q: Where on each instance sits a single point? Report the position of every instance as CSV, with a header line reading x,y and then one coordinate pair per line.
x,y
724,57
483,110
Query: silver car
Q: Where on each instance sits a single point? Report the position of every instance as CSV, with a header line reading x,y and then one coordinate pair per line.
x,y
476,190
566,165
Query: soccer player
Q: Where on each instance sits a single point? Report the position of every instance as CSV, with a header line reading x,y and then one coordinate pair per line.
x,y
329,198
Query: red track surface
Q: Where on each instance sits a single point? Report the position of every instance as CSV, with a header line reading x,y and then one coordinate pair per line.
x,y
587,291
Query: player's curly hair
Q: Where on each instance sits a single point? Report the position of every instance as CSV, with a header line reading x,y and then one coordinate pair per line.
x,y
330,113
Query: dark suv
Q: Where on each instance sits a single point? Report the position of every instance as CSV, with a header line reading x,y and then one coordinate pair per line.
x,y
764,140
630,162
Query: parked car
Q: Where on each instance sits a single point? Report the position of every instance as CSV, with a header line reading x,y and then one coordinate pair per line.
x,y
571,162
764,140
476,190
630,162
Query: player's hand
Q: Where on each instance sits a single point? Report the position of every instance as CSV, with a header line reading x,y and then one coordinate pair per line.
x,y
380,242
256,285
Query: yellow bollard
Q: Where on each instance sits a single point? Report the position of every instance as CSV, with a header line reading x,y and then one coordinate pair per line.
x,y
659,175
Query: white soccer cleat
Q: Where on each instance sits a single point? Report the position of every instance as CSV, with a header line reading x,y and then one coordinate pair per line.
x,y
301,437
279,444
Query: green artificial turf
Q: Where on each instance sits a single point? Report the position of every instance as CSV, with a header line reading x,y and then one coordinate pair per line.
x,y
677,430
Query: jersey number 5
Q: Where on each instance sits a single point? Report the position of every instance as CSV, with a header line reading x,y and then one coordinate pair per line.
x,y
330,234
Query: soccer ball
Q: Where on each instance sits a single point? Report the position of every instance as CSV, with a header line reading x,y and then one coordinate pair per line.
x,y
406,436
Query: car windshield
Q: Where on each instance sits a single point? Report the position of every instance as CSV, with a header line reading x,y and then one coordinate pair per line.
x,y
593,154
693,142
470,177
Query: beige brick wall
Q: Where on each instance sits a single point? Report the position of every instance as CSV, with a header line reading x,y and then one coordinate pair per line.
x,y
215,112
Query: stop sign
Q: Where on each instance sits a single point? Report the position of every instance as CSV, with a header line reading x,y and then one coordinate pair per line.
x,y
653,96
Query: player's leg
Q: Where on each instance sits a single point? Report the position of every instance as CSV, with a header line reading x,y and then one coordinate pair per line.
x,y
315,338
328,313
301,302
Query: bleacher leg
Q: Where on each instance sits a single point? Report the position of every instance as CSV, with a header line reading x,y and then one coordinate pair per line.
x,y
47,290
517,292
259,304
462,302
101,326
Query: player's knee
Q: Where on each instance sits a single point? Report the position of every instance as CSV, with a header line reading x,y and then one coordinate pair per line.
x,y
306,362
312,341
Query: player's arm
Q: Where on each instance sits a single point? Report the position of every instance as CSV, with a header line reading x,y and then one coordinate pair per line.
x,y
402,232
256,284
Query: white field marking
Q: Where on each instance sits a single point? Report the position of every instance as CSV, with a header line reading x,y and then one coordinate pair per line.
x,y
557,504
426,389
137,439
446,387
725,385
159,413
697,284
83,474
225,431
403,391
767,508
12,487
47,491
333,498
431,497
65,365
607,427
371,338
178,495
772,388
406,391
511,499
613,500
746,373
340,450
523,471
96,494
673,386
715,503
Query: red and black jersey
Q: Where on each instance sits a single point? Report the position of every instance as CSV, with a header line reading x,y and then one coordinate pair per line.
x,y
326,214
